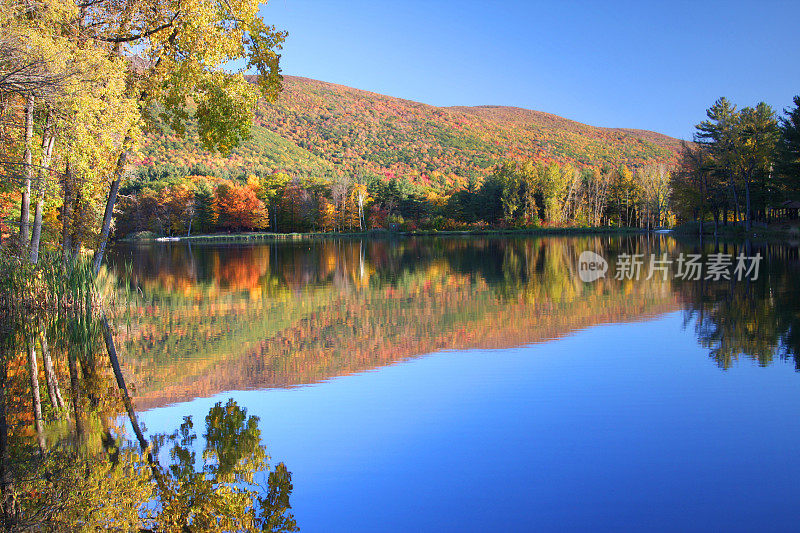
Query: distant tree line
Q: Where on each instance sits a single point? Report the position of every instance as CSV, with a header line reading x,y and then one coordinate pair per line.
x,y
171,200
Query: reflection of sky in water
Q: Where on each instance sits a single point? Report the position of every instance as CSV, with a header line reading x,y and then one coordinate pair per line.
x,y
627,426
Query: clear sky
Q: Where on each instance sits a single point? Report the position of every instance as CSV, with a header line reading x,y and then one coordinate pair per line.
x,y
642,64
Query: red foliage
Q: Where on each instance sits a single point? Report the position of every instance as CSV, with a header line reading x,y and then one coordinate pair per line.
x,y
239,208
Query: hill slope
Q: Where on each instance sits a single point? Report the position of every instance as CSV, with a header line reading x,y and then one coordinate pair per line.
x,y
316,127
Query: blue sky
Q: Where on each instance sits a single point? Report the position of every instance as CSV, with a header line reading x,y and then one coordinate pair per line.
x,y
647,65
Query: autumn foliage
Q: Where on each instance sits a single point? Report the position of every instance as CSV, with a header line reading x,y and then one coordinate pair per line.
x,y
239,208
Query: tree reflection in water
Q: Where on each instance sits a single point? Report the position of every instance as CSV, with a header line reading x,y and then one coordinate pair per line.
x,y
65,461
215,318
757,319
225,494
196,321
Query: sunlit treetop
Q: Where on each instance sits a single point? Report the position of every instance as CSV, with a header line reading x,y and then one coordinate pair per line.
x,y
179,55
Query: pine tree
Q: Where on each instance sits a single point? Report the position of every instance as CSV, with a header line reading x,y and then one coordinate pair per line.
x,y
789,150
205,208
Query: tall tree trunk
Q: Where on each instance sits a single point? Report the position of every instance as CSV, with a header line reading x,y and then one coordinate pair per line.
x,y
48,140
53,390
735,205
108,216
25,207
75,237
36,399
36,235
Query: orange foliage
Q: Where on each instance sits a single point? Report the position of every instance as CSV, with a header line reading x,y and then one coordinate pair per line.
x,y
240,208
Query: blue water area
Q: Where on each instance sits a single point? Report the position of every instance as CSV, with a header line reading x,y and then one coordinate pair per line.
x,y
628,426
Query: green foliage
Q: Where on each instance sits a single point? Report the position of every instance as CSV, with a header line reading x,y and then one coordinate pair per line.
x,y
789,150
224,495
732,168
224,114
204,207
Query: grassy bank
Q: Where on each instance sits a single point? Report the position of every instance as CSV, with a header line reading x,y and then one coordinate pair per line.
x,y
233,238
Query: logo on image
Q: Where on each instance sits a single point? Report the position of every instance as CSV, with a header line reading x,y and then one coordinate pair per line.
x,y
591,266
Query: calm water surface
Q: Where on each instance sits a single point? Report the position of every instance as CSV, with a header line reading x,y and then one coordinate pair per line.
x,y
478,384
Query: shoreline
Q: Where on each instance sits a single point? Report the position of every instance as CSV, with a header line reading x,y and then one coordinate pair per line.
x,y
235,238
786,234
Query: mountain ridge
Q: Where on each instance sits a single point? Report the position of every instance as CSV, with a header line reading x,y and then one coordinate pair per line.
x,y
316,128
559,118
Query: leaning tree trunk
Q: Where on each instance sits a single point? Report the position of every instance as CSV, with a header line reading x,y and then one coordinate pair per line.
x,y
108,216
25,206
126,400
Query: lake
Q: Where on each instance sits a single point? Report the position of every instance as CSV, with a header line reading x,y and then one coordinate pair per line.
x,y
480,383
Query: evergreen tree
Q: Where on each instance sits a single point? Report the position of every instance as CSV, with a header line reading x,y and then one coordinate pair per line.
x,y
789,150
756,139
205,207
741,146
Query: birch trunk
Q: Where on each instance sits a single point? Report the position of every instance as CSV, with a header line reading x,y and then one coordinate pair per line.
x,y
66,214
53,390
48,140
25,206
36,399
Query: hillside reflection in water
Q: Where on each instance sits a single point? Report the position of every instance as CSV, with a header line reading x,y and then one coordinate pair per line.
x,y
215,318
477,384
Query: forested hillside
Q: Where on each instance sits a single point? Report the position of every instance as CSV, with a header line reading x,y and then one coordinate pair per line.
x,y
316,127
